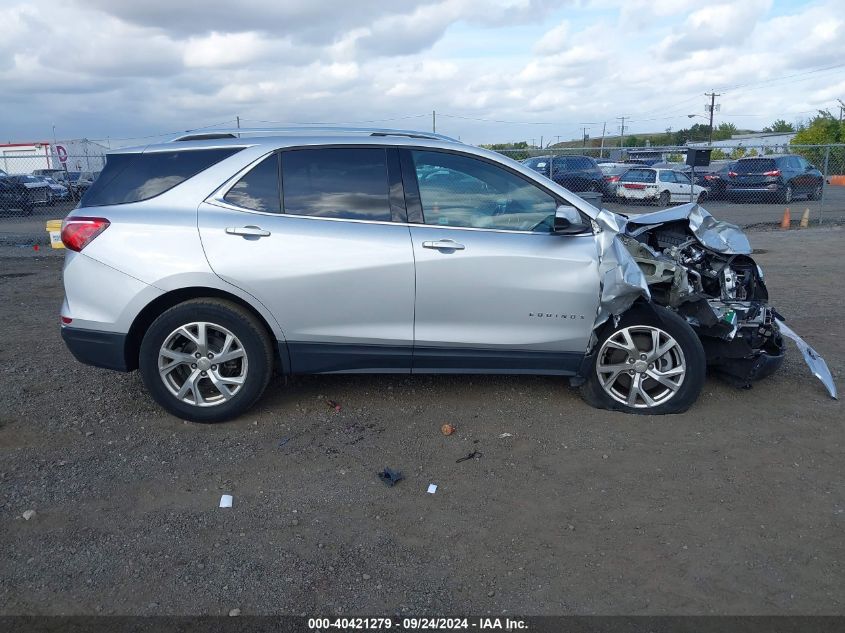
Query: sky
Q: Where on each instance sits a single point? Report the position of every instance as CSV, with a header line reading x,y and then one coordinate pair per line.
x,y
130,72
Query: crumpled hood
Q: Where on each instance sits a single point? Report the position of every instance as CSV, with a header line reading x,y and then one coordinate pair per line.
x,y
719,236
622,280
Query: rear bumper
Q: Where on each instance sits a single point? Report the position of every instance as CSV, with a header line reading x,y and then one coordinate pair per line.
x,y
99,349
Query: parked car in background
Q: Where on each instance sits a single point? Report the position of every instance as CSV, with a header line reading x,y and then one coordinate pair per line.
x,y
659,186
774,178
14,197
57,192
715,177
612,172
576,173
37,191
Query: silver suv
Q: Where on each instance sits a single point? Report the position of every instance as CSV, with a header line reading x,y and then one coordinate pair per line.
x,y
211,261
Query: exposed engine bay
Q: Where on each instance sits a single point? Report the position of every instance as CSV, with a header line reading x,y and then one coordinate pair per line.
x,y
702,268
723,297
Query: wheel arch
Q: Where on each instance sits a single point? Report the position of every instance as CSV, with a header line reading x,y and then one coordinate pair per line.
x,y
164,302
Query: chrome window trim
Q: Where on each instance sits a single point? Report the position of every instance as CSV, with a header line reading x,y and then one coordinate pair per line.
x,y
217,198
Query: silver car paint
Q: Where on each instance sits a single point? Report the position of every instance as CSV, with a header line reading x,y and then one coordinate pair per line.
x,y
329,281
504,289
163,235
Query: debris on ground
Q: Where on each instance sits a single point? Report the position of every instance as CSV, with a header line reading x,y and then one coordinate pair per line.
x,y
333,405
390,477
447,429
283,441
28,515
226,501
504,435
432,488
472,455
235,612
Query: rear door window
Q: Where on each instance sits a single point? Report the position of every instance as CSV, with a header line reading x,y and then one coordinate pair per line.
x,y
258,189
141,176
348,183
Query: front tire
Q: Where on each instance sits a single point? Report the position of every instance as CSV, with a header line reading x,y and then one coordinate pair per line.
x,y
650,363
206,360
815,193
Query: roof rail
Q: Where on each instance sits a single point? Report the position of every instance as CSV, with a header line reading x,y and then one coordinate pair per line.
x,y
219,133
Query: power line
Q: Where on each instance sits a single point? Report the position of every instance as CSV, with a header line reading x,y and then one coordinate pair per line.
x,y
471,118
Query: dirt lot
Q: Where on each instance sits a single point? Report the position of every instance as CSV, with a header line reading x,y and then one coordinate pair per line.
x,y
737,506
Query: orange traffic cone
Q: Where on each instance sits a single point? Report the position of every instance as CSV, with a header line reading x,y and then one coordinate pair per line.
x,y
805,219
787,219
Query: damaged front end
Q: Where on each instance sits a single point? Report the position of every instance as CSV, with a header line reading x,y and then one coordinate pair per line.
x,y
702,269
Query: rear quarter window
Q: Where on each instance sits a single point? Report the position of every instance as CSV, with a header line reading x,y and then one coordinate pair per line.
x,y
135,177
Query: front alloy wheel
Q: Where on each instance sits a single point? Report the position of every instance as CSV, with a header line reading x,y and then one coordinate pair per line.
x,y
641,366
650,362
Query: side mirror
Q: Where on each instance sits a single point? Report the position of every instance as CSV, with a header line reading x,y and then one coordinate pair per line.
x,y
568,221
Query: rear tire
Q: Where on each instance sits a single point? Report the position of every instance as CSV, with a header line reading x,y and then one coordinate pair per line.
x,y
664,199
644,378
701,197
206,360
786,194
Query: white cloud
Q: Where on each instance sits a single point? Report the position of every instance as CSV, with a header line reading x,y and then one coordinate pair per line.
x,y
123,67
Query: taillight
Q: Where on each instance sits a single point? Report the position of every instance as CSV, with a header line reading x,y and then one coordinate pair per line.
x,y
612,178
711,177
774,172
732,174
66,320
77,233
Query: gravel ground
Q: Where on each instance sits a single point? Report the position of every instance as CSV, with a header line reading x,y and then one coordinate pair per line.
x,y
737,506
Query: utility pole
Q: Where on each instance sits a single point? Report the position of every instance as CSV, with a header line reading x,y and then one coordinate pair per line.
x,y
622,130
585,137
434,122
601,149
841,110
238,119
712,108
541,142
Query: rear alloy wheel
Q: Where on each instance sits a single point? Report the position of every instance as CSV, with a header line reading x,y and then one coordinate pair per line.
x,y
206,360
664,199
647,364
786,196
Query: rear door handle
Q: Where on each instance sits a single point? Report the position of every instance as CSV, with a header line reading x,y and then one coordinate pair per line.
x,y
444,245
247,231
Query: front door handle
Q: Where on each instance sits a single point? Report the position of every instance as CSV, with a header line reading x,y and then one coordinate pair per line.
x,y
247,231
444,245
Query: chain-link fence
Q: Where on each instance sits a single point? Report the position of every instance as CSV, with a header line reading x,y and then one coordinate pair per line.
x,y
742,184
33,185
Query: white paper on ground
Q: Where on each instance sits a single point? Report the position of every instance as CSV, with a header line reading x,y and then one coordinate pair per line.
x,y
226,501
432,488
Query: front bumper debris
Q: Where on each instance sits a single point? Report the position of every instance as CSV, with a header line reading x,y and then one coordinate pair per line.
x,y
811,357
